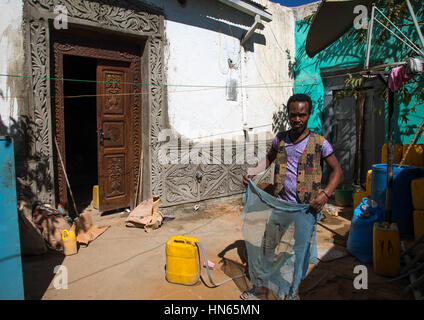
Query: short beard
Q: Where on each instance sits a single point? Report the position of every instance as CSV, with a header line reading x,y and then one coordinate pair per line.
x,y
300,130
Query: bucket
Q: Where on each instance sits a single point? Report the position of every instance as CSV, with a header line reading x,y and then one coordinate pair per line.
x,y
182,263
344,196
69,242
360,239
401,193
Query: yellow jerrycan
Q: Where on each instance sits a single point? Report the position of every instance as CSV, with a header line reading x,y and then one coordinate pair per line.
x,y
386,249
69,241
182,262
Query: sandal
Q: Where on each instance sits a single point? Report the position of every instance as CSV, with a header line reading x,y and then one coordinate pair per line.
x,y
252,294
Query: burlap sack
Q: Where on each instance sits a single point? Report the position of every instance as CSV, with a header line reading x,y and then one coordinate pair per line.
x,y
85,230
146,215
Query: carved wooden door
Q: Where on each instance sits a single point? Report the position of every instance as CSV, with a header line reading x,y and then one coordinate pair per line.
x,y
113,112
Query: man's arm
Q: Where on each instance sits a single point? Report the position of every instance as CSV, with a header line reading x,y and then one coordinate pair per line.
x,y
262,165
335,178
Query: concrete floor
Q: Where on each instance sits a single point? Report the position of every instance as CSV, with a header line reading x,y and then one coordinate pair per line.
x,y
128,263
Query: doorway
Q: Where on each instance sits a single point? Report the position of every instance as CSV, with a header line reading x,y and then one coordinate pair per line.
x,y
80,127
340,128
97,120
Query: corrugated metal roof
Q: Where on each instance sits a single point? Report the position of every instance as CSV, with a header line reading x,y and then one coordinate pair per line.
x,y
250,7
256,4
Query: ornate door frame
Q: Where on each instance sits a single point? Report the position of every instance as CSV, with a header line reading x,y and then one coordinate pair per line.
x,y
127,18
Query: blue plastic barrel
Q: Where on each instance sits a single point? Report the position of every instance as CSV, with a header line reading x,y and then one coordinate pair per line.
x,y
401,193
360,239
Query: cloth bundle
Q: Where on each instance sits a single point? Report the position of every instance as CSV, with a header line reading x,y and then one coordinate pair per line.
x,y
280,240
51,223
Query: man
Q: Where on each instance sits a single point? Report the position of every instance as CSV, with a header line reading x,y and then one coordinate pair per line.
x,y
297,154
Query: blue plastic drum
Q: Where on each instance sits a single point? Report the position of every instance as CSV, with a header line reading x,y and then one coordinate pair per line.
x,y
401,198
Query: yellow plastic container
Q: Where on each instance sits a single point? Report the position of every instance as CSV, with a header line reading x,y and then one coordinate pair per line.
x,y
357,198
418,223
397,153
69,241
182,263
386,249
415,156
368,185
96,197
417,191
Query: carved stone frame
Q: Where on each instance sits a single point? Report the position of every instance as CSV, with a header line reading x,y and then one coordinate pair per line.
x,y
112,16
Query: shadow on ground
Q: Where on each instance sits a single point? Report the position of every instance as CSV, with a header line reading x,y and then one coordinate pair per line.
x,y
38,273
234,268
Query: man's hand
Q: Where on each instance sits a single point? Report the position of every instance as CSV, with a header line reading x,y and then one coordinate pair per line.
x,y
319,201
260,167
246,178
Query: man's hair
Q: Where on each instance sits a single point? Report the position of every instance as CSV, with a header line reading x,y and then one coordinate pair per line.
x,y
300,97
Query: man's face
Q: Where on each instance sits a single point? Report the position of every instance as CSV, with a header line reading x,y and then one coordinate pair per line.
x,y
299,115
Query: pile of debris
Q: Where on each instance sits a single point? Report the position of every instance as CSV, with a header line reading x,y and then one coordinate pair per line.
x,y
43,227
331,210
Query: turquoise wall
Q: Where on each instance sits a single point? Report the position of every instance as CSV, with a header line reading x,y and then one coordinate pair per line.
x,y
344,53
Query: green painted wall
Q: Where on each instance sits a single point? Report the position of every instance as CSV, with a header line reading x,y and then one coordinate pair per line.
x,y
345,53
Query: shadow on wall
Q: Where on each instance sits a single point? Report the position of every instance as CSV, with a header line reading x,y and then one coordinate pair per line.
x,y
32,169
280,120
213,16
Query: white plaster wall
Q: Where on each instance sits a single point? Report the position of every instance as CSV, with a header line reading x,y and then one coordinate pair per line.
x,y
268,66
11,61
197,75
201,37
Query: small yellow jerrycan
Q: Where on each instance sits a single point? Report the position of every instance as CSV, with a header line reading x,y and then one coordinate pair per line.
x,y
182,263
69,241
386,249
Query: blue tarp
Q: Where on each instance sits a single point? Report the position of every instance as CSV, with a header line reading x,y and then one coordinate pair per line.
x,y
280,240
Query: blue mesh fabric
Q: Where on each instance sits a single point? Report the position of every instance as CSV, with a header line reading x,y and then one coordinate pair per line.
x,y
280,240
